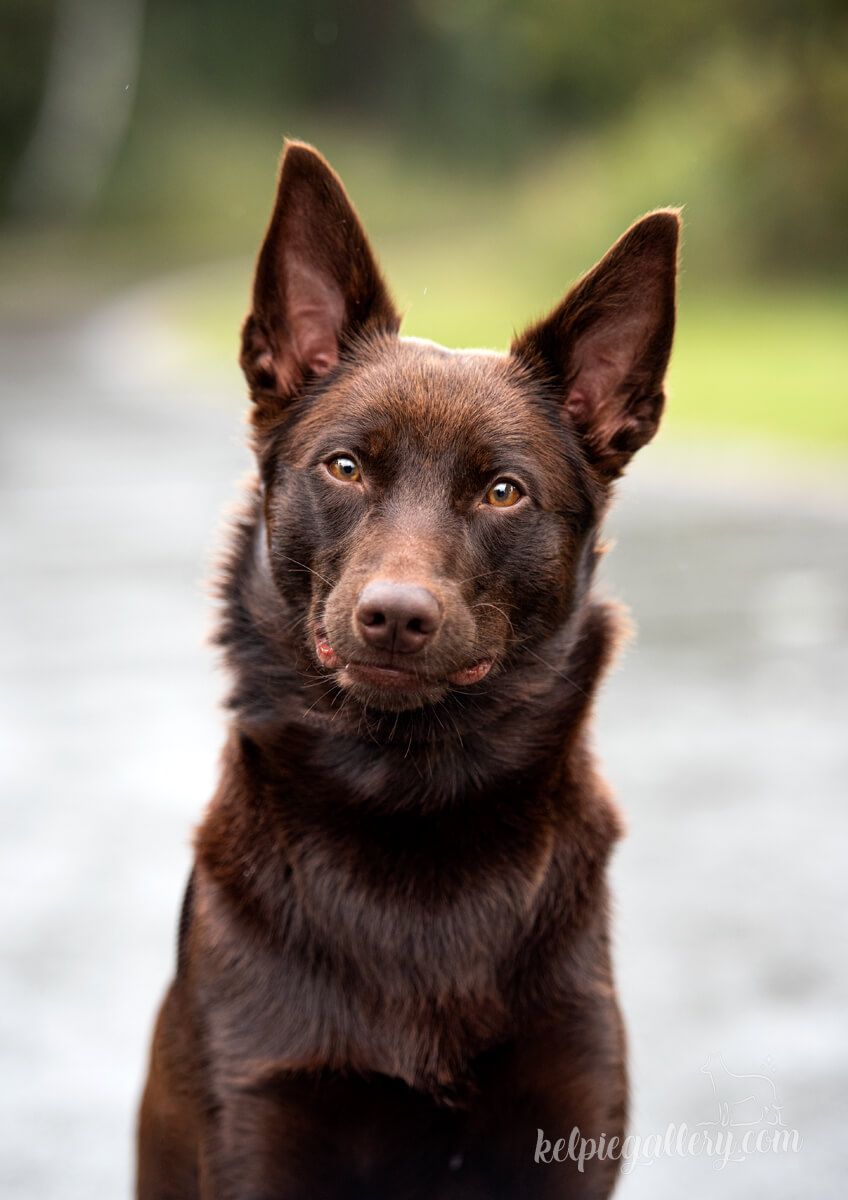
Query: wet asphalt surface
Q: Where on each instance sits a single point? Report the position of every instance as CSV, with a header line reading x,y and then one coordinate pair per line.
x,y
722,729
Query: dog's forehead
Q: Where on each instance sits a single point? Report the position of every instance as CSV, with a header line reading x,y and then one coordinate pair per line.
x,y
443,400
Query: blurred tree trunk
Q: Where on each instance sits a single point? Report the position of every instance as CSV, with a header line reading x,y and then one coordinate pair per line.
x,y
85,109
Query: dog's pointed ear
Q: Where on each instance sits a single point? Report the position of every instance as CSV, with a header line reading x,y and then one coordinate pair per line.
x,y
607,345
317,284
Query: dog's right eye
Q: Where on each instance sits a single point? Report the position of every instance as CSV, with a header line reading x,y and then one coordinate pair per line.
x,y
503,494
344,468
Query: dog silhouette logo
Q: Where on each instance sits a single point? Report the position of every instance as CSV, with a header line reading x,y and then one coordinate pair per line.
x,y
741,1100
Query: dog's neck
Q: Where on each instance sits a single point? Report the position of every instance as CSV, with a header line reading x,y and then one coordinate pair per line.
x,y
525,723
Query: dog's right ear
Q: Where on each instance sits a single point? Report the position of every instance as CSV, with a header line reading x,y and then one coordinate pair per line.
x,y
605,348
317,285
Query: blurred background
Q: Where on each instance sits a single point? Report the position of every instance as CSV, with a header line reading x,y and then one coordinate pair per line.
x,y
494,149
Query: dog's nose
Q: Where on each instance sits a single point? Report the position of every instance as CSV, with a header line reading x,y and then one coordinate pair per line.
x,y
400,617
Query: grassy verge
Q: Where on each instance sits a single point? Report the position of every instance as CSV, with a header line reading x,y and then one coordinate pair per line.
x,y
471,256
767,366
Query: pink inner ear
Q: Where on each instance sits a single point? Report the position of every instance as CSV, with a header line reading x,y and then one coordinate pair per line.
x,y
577,405
603,360
315,312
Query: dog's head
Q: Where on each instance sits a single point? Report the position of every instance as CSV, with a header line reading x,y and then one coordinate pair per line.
x,y
430,514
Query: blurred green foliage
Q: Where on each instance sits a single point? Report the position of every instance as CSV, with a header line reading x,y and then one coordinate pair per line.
x,y
748,102
494,148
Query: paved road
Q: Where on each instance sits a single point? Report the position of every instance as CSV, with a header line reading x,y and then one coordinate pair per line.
x,y
723,732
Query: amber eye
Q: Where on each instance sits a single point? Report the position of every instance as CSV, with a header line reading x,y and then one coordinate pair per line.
x,y
503,494
345,469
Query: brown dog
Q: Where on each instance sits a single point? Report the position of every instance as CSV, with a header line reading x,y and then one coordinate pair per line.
x,y
394,976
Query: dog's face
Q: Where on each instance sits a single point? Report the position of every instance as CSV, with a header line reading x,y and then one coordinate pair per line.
x,y
439,505
429,511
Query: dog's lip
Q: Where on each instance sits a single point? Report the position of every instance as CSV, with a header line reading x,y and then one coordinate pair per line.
x,y
394,678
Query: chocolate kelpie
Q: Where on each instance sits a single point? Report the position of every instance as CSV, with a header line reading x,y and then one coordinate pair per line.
x,y
394,963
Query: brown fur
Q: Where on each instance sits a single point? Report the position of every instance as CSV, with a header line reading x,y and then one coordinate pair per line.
x,y
394,957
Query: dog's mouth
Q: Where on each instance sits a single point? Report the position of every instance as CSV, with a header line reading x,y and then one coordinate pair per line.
x,y
393,678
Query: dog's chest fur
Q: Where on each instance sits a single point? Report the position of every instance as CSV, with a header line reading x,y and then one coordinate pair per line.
x,y
375,923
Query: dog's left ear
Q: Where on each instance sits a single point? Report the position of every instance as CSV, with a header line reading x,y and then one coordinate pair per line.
x,y
607,345
317,284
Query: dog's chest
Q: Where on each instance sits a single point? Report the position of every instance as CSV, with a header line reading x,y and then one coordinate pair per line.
x,y
427,903
387,955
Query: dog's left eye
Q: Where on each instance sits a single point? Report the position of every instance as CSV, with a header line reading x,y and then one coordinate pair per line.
x,y
344,468
503,494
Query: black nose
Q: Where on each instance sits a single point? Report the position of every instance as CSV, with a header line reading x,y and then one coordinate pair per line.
x,y
399,617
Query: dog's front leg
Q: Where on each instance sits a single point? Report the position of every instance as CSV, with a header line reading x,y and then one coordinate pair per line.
x,y
169,1116
266,1145
552,1104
